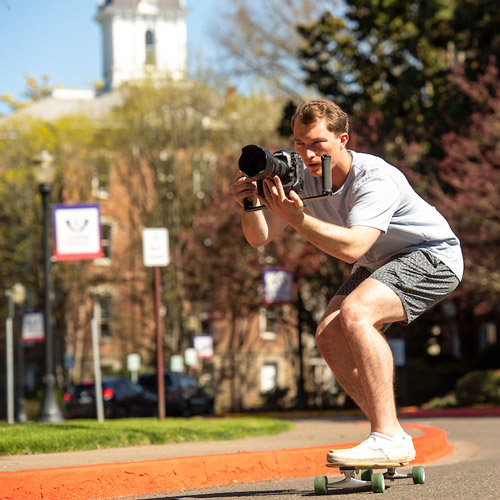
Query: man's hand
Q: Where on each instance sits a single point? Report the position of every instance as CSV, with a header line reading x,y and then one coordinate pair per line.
x,y
243,187
290,209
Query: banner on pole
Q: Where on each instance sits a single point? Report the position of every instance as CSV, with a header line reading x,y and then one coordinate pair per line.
x,y
32,329
278,286
77,232
204,346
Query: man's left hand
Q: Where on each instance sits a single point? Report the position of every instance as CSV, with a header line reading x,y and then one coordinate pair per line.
x,y
290,209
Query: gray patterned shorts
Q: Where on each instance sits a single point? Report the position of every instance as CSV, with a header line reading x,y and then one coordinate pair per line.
x,y
418,278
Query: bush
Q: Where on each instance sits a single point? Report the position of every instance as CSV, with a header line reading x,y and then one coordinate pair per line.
x,y
448,401
478,387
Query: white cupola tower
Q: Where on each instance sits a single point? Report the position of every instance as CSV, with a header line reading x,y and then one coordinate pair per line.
x,y
142,37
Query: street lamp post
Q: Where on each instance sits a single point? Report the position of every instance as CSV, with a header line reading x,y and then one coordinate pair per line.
x,y
18,296
49,409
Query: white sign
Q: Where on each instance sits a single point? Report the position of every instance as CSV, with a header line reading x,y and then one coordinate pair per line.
x,y
398,348
155,247
176,363
191,357
77,232
278,286
32,329
204,346
133,362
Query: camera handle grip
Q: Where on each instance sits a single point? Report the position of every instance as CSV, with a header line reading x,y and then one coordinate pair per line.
x,y
326,167
248,203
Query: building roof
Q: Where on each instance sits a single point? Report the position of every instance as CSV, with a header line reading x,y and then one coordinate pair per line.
x,y
134,3
64,102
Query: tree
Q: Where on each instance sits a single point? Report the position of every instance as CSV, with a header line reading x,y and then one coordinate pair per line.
x,y
395,57
21,257
223,274
260,40
470,172
172,141
34,91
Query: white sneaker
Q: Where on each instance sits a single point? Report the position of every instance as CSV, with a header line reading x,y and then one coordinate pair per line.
x,y
378,449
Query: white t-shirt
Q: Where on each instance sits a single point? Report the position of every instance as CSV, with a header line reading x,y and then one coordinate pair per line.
x,y
377,194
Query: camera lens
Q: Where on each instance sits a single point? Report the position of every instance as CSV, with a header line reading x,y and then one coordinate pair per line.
x,y
258,163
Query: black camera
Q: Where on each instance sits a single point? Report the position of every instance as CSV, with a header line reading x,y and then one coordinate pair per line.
x,y
258,164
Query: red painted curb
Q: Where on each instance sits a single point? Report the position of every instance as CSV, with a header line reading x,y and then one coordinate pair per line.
x,y
155,476
450,412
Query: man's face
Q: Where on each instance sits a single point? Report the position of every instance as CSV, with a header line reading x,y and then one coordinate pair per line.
x,y
314,140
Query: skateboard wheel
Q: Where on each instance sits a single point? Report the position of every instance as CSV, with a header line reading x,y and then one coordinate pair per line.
x,y
378,483
418,475
366,475
321,485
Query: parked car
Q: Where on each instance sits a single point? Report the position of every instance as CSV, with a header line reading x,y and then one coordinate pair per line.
x,y
121,398
183,395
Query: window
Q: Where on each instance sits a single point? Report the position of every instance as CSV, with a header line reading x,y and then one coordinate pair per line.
x,y
100,177
107,230
150,48
105,304
269,322
268,377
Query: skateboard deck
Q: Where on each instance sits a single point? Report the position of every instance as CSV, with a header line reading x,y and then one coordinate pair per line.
x,y
372,477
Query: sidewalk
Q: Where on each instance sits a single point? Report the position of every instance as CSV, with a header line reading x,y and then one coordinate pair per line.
x,y
110,473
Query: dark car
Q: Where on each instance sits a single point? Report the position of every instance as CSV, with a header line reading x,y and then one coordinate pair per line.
x,y
183,395
121,398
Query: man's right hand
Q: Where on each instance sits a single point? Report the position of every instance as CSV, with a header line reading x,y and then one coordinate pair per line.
x,y
243,187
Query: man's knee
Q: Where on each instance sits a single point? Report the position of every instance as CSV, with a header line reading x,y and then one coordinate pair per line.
x,y
352,314
328,330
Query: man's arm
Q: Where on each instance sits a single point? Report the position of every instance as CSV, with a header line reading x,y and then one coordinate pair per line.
x,y
347,244
259,227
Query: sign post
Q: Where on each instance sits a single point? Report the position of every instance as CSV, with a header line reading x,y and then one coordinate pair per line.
x,y
77,236
155,252
94,325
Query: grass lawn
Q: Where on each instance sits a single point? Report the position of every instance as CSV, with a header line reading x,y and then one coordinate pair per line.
x,y
75,435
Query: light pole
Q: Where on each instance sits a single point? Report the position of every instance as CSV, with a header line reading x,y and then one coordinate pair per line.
x,y
44,174
19,296
16,295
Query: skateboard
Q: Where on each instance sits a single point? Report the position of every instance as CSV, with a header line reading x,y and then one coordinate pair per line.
x,y
370,479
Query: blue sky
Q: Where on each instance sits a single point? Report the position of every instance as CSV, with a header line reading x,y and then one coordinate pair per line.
x,y
60,38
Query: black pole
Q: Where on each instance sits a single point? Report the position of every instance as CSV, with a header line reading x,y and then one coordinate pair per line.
x,y
49,410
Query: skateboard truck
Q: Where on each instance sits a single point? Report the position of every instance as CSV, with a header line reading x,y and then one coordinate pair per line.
x,y
369,479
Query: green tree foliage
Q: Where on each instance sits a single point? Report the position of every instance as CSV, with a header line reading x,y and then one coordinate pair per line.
x,y
35,90
176,144
395,57
21,256
419,79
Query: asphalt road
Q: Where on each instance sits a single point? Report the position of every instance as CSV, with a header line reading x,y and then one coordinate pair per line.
x,y
471,471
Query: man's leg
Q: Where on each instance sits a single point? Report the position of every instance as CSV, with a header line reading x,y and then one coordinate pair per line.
x,y
362,315
350,339
332,344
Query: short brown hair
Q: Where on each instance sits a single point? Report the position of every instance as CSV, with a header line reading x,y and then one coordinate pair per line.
x,y
316,110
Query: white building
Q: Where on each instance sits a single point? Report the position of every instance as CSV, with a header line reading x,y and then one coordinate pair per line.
x,y
142,37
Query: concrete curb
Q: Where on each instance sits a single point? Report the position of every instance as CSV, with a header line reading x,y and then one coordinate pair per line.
x,y
155,476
